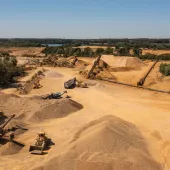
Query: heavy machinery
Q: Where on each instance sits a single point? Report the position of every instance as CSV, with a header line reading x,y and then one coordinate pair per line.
x,y
7,135
37,85
142,80
72,83
81,84
41,143
57,95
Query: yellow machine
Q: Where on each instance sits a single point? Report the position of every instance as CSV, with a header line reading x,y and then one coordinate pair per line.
x,y
41,143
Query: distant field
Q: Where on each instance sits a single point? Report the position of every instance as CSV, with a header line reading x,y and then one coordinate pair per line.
x,y
156,52
21,51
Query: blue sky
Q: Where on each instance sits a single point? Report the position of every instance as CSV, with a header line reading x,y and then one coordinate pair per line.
x,y
85,18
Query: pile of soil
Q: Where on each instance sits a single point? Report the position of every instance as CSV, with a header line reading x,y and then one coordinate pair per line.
x,y
123,63
34,109
60,108
53,74
58,62
109,143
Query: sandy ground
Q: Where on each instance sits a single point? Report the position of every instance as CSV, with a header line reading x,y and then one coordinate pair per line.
x,y
148,111
156,52
21,51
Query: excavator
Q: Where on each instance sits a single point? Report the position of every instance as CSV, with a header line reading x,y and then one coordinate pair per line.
x,y
57,95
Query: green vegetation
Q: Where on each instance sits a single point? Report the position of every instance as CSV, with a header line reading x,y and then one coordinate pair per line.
x,y
124,51
160,44
69,51
165,69
137,51
9,69
149,56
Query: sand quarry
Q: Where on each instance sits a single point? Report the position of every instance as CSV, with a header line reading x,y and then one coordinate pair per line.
x,y
103,127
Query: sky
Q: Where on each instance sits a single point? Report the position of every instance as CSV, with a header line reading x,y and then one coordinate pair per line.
x,y
84,19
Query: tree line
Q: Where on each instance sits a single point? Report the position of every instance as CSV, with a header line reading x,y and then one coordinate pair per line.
x,y
89,52
128,43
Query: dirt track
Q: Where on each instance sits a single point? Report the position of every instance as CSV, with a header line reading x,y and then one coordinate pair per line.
x,y
148,112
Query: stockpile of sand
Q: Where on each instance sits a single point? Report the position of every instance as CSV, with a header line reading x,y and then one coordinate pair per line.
x,y
109,143
123,63
33,109
53,74
57,109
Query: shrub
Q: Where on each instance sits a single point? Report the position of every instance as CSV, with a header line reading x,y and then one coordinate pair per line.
x,y
9,69
165,69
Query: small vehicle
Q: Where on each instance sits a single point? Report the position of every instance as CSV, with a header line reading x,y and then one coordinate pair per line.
x,y
41,143
70,84
57,95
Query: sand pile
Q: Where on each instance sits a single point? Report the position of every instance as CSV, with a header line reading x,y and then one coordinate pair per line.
x,y
60,108
123,63
109,143
53,74
33,109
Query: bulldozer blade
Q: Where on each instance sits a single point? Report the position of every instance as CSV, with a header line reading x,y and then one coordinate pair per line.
x,y
36,150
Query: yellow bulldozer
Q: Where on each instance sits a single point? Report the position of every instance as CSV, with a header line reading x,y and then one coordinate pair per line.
x,y
41,143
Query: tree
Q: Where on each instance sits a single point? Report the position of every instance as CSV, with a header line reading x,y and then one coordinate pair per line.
x,y
77,52
123,51
108,50
87,52
68,51
99,51
137,51
9,69
60,50
165,69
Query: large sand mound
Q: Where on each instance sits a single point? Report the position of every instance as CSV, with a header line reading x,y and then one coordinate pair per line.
x,y
32,109
109,143
122,63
